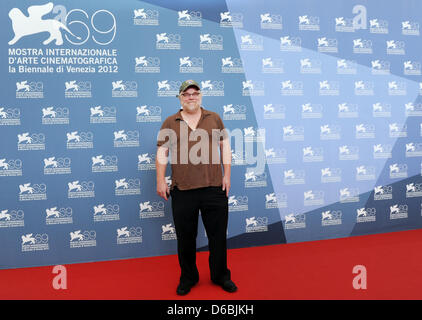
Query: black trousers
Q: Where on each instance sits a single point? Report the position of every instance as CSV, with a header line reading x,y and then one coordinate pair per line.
x,y
213,204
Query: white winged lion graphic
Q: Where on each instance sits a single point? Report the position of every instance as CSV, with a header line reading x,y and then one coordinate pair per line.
x,y
32,24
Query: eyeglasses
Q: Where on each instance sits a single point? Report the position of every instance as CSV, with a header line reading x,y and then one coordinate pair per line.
x,y
188,95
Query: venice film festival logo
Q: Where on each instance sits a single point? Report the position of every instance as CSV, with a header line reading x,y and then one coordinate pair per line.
x,y
380,67
82,140
294,221
378,26
308,23
146,162
127,188
125,236
348,195
274,111
253,179
81,240
252,43
330,132
331,217
329,88
413,149
329,175
84,189
310,66
348,152
234,112
34,23
10,167
362,46
238,203
31,90
191,65
383,193
169,41
413,110
168,232
275,200
28,191
231,65
365,173
100,114
412,68
290,44
34,242
10,218
344,24
142,17
256,224
10,116
145,64
292,88
58,216
101,163
151,209
167,88
35,141
275,156
57,166
55,115
364,131
106,213
253,88
293,177
398,170
312,154
126,139
398,211
77,89
126,89
413,190
382,151
311,111
231,20
381,110
366,215
327,45
208,41
212,88
395,47
271,21
410,28
272,65
397,88
346,66
313,198
188,18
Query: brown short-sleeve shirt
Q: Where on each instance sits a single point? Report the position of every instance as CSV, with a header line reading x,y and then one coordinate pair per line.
x,y
194,154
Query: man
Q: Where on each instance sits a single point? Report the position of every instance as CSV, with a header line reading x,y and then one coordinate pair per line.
x,y
198,147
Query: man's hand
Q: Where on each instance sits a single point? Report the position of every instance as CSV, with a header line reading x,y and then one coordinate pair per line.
x,y
163,189
226,184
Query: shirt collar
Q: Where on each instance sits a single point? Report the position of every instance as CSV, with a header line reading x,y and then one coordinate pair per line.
x,y
204,113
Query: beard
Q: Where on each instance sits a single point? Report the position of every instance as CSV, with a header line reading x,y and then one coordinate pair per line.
x,y
191,106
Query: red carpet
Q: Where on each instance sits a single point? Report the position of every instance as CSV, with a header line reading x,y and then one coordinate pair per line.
x,y
309,270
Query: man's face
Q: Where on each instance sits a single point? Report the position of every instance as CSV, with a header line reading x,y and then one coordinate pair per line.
x,y
191,99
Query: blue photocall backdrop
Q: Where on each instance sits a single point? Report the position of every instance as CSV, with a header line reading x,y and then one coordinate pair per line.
x,y
329,92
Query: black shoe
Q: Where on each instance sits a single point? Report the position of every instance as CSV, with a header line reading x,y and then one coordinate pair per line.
x,y
184,289
229,286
